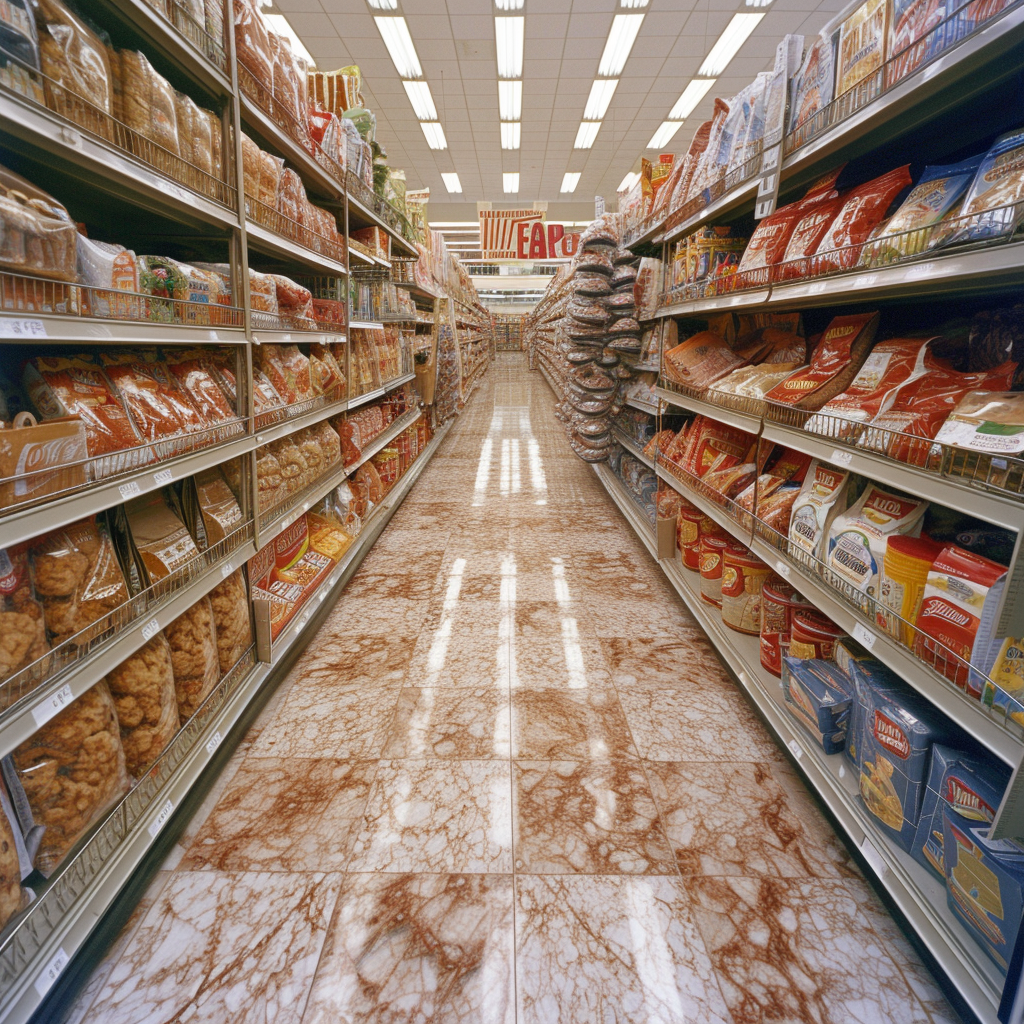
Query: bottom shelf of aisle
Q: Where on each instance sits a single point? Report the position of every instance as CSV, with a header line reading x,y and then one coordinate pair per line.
x,y
920,897
57,927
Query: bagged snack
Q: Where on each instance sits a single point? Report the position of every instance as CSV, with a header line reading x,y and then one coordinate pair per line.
x,y
22,623
293,301
998,186
192,646
987,421
709,168
700,360
157,405
294,469
148,102
698,144
37,236
142,687
252,42
15,863
108,270
711,445
76,575
160,538
327,376
288,371
250,167
367,489
73,58
822,497
269,479
229,601
862,45
806,236
72,770
270,178
196,379
812,87
290,195
819,697
220,511
18,36
912,20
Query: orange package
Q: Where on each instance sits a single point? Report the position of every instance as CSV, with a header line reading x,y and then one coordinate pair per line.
x,y
151,395
287,370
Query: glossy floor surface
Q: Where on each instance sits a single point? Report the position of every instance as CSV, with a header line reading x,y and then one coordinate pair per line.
x,y
509,781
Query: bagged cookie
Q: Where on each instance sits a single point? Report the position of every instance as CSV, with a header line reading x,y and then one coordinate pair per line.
x,y
12,853
230,603
161,539
72,771
22,628
195,664
142,687
221,514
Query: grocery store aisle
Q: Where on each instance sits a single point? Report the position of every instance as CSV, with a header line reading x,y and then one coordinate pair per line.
x,y
510,781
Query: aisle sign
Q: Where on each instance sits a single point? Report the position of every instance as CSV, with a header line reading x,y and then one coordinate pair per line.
x,y
523,235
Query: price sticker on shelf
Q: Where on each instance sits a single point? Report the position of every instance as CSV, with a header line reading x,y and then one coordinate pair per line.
x,y
161,819
14,327
53,705
213,742
70,136
782,569
874,858
226,571
130,489
864,636
842,772
150,630
796,749
841,458
164,476
51,972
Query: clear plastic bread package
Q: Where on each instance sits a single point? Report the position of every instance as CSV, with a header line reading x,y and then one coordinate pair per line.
x,y
37,236
195,661
230,603
22,625
72,770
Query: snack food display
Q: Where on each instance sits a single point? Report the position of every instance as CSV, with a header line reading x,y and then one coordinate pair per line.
x,y
194,659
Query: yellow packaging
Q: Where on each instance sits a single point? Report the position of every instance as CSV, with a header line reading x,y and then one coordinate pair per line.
x,y
904,575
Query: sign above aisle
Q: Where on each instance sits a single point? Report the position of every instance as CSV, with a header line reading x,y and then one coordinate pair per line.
x,y
523,235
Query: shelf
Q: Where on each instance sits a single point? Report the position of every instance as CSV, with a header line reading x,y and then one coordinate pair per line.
x,y
741,195
367,325
361,216
273,244
751,424
634,403
384,438
920,898
321,337
52,328
381,391
417,289
631,446
295,423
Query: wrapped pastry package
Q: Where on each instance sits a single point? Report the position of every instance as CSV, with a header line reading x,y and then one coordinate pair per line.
x,y
288,371
22,623
195,665
862,44
995,193
37,236
74,58
156,403
159,537
229,602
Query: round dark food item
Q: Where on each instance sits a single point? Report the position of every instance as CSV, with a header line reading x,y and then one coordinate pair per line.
x,y
588,313
597,444
627,325
595,263
591,285
599,233
620,301
595,340
623,277
578,357
588,454
588,332
592,427
628,343
624,258
590,378
608,359
592,406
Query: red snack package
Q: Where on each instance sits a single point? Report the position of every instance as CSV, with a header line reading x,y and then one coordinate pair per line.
x,y
292,299
805,238
701,360
288,371
196,379
158,406
714,445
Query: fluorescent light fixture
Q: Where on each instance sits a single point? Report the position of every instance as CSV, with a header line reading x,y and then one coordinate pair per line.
x,y
384,5
586,134
509,5
508,35
451,182
758,3
395,34
663,136
735,35
421,100
434,134
690,97
279,23
510,134
633,4
510,100
620,42
628,181
569,181
601,93
510,182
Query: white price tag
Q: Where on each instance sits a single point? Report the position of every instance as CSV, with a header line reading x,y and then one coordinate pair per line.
x,y
51,972
213,743
797,750
164,476
782,569
841,458
70,136
53,705
225,571
150,630
130,489
161,819
864,636
874,858
11,327
842,772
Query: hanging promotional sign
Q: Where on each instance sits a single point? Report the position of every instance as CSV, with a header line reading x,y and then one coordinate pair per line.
x,y
523,235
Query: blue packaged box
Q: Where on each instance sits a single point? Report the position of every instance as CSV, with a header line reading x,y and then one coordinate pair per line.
x,y
971,784
896,739
848,654
984,884
818,696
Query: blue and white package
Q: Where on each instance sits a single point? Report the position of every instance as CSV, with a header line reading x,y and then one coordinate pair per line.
x,y
818,696
848,654
998,186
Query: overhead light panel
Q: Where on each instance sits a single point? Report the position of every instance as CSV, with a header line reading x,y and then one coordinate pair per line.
x,y
663,136
586,134
634,4
601,93
510,100
735,35
509,5
690,97
620,42
508,35
451,182
434,134
569,181
421,100
628,181
510,134
279,23
510,182
395,34
384,5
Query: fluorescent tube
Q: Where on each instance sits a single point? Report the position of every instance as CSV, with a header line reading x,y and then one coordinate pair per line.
x,y
620,42
586,134
569,181
601,93
421,100
395,34
735,35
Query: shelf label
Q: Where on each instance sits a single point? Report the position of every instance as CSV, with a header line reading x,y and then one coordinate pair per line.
x,y
842,771
51,972
214,742
164,476
161,819
864,636
150,630
874,858
782,569
70,136
130,489
226,570
841,458
11,327
53,705
797,750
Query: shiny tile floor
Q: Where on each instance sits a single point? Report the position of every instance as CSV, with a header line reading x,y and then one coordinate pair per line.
x,y
509,781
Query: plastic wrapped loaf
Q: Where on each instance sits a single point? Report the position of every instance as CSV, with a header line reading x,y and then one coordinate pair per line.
x,y
37,236
229,601
192,641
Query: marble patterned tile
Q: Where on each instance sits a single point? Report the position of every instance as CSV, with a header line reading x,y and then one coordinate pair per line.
x,y
369,614
284,814
353,659
590,817
437,816
687,659
459,658
609,568
687,702
412,948
551,619
446,722
569,725
620,949
735,819
416,586
217,947
559,663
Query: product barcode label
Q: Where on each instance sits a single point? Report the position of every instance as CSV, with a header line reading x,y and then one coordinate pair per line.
x,y
161,819
53,705
841,458
873,857
150,629
797,750
213,742
51,972
130,489
164,476
781,568
864,636
11,327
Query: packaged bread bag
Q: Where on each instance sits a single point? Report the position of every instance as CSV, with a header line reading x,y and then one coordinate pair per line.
x,y
822,497
160,538
229,602
195,664
812,86
22,625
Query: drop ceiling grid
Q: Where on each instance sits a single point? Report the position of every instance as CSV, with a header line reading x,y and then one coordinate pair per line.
x,y
564,40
